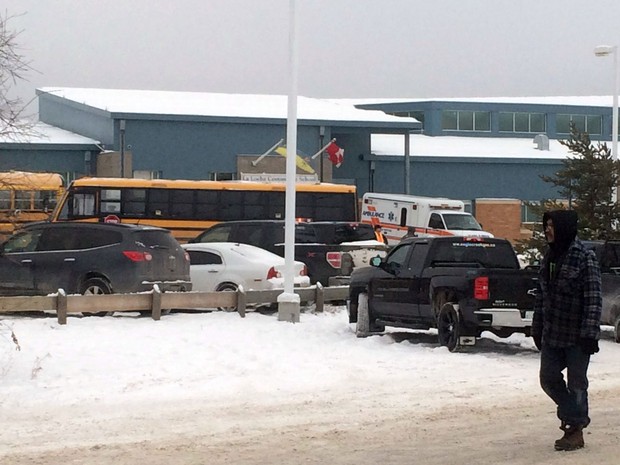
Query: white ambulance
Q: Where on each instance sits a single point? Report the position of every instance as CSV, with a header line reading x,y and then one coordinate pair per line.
x,y
400,215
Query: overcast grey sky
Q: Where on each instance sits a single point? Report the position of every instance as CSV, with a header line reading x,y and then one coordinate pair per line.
x,y
347,48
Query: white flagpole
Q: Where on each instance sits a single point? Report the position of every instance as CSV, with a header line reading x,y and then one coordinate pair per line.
x,y
288,301
323,149
275,146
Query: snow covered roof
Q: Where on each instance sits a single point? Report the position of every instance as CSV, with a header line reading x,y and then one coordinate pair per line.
x,y
581,101
217,104
453,146
42,133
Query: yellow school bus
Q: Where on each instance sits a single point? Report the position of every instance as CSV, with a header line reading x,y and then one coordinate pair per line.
x,y
189,207
26,197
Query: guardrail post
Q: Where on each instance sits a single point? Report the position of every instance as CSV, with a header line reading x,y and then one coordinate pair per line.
x,y
320,297
61,307
242,301
156,303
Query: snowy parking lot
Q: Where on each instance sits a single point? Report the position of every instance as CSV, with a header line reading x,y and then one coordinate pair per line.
x,y
216,388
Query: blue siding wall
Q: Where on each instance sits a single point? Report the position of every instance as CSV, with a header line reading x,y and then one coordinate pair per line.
x,y
57,161
191,150
91,122
461,178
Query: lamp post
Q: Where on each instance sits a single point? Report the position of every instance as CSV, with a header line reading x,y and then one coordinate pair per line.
x,y
603,51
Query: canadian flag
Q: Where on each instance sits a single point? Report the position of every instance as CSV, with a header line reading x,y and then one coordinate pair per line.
x,y
336,154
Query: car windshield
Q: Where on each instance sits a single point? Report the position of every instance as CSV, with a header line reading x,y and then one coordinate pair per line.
x,y
461,222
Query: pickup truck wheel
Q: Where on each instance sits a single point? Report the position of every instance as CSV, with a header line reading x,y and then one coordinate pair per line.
x,y
448,327
362,326
617,330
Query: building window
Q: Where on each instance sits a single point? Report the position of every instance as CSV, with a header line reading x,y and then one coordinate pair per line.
x,y
512,121
529,212
222,176
419,115
146,174
592,124
463,120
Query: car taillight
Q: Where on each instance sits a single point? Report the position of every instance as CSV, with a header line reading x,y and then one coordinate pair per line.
x,y
272,273
334,259
135,256
186,256
304,271
481,288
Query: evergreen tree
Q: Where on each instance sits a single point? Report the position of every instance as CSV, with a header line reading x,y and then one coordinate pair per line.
x,y
586,181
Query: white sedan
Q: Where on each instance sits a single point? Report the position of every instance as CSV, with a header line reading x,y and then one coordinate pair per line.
x,y
224,266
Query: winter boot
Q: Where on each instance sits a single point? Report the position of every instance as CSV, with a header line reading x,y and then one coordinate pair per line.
x,y
572,439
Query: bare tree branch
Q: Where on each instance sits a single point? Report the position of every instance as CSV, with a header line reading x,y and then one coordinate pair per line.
x,y
13,68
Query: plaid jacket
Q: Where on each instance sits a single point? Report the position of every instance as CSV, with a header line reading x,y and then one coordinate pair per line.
x,y
568,307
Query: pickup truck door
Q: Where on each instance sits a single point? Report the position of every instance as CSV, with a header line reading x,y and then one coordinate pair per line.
x,y
398,294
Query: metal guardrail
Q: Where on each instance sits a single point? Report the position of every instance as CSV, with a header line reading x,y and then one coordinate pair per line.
x,y
155,300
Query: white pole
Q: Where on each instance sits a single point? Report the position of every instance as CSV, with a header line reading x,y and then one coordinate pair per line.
x,y
288,302
322,149
614,119
602,51
275,146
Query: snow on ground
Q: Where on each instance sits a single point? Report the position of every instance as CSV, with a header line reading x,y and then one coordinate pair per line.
x,y
114,390
222,356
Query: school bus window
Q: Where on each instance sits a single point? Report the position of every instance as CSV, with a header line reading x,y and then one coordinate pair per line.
x,y
231,206
110,207
44,200
5,200
255,205
110,201
182,211
82,205
182,203
208,197
111,194
182,196
134,195
23,200
206,210
134,202
275,205
158,203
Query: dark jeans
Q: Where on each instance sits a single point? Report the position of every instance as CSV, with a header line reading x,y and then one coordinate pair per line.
x,y
572,397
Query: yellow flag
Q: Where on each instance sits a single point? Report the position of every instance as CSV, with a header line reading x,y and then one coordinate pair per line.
x,y
300,162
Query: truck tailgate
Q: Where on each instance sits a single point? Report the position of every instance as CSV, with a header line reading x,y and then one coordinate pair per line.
x,y
512,289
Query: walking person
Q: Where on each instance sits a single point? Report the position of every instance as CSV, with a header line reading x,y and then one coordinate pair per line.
x,y
566,323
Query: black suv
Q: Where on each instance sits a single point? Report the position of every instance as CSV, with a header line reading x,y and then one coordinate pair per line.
x,y
91,258
328,248
269,234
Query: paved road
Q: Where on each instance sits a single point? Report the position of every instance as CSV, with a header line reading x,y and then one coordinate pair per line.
x,y
359,430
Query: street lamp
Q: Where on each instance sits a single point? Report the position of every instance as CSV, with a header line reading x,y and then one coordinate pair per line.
x,y
603,51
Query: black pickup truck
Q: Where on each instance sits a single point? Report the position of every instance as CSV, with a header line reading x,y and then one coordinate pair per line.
x,y
460,285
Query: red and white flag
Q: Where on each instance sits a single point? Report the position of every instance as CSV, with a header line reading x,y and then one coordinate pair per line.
x,y
336,154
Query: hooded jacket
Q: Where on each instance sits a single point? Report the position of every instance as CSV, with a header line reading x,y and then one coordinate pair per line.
x,y
568,304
